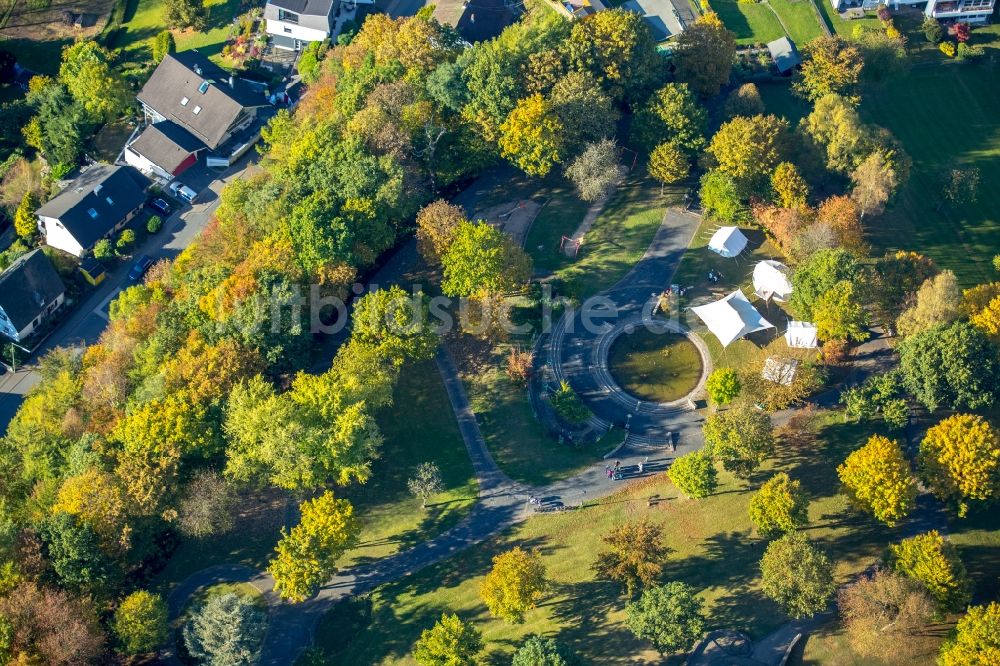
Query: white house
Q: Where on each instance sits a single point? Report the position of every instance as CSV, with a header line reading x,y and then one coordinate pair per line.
x,y
294,23
96,205
965,11
30,291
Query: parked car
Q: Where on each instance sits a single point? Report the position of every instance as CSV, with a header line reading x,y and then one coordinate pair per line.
x,y
182,191
140,267
160,206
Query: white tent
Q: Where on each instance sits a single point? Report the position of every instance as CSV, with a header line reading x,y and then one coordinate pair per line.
x,y
770,280
727,241
802,335
731,318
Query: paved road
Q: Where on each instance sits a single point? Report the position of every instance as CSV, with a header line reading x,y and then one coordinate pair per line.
x,y
90,317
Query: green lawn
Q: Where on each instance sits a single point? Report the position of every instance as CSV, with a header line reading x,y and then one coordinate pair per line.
x,y
144,20
712,548
652,365
800,19
945,117
843,27
779,100
753,23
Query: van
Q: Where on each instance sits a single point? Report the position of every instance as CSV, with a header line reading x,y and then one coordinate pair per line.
x,y
182,191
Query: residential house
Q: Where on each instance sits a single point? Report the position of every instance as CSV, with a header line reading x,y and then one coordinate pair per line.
x,y
784,54
477,21
193,108
965,11
294,23
30,292
96,205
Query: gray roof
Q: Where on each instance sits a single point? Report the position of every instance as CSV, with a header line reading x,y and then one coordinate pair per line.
x,y
27,287
784,53
119,195
307,7
166,144
176,78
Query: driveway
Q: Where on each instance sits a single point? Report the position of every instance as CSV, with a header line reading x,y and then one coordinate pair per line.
x,y
90,317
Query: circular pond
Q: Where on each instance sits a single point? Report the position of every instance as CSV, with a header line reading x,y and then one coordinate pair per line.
x,y
655,365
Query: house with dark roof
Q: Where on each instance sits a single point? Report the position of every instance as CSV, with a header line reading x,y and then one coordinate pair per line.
x,y
30,292
294,23
193,107
477,21
96,205
785,55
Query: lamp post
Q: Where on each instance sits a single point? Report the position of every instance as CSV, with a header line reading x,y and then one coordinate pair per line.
x,y
13,360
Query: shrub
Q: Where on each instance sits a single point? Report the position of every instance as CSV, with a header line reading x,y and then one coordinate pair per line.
x,y
723,385
141,622
969,52
103,249
154,224
947,48
883,13
568,405
962,32
694,474
125,239
932,30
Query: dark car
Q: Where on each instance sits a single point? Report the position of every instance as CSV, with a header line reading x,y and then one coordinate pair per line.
x,y
160,206
140,267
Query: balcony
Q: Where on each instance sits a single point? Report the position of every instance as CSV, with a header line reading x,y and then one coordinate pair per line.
x,y
959,8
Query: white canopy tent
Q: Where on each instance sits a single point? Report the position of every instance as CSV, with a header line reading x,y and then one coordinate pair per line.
x,y
770,280
731,317
802,335
727,241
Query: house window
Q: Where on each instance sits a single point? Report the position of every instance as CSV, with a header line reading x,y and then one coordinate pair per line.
x,y
203,88
110,201
184,101
92,213
287,29
287,17
196,110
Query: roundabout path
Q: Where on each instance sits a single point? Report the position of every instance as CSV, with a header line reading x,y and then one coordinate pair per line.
x,y
501,502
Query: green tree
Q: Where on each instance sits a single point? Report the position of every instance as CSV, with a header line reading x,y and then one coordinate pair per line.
x,y
140,622
703,55
307,556
819,274
103,249
959,460
935,564
741,438
125,240
396,323
835,125
183,14
597,171
90,77
672,114
226,629
538,651
25,220
514,585
568,405
532,136
976,641
669,164
584,110
450,642
723,386
797,575
73,549
425,482
789,186
59,126
154,224
635,555
839,314
878,480
830,65
483,260
721,198
668,616
749,149
954,365
163,44
780,506
694,474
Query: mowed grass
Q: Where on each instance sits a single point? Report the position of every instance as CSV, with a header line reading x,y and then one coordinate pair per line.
x,y
418,427
799,17
713,547
946,117
144,20
843,27
752,22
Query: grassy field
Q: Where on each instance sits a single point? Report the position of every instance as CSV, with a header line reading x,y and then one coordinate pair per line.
x,y
843,27
655,366
799,18
752,22
945,117
144,20
712,543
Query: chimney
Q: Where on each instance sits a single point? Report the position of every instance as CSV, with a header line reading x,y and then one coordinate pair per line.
x,y
232,81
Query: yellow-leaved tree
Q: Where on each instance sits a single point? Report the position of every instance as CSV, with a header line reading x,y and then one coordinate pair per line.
x,y
977,638
514,585
878,480
306,556
960,460
532,136
983,305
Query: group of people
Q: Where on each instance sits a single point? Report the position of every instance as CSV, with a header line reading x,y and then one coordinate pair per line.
x,y
615,473
714,275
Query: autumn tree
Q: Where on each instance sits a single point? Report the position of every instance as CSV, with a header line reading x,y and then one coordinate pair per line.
x,y
780,506
182,14
839,313
749,149
89,75
881,612
878,480
843,216
694,474
226,629
668,616
140,622
425,482
894,278
723,385
976,638
938,301
934,563
673,114
789,186
307,556
830,65
954,365
206,506
982,303
875,180
450,642
597,171
668,164
744,101
741,438
960,460
483,260
704,53
51,627
532,136
836,127
514,585
820,273
437,223
25,220
394,323
635,555
797,575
